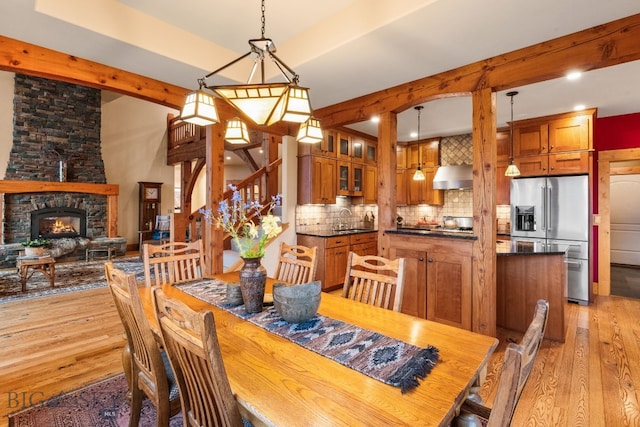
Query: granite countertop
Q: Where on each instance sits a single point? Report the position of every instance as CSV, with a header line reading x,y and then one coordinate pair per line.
x,y
433,233
332,233
510,247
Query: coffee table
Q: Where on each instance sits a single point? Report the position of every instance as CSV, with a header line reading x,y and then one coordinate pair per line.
x,y
28,266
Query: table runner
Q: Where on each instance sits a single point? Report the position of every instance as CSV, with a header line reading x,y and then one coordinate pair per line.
x,y
380,357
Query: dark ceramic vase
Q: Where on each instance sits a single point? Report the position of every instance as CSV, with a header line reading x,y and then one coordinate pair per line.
x,y
253,277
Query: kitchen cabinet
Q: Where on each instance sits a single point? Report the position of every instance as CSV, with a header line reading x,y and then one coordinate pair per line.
x,y
326,148
350,147
554,145
350,178
449,288
503,152
414,296
333,254
402,154
437,277
425,152
317,180
422,192
401,186
371,152
370,192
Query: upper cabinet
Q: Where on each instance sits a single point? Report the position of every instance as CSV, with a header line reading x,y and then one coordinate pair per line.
x,y
503,183
350,147
554,145
327,147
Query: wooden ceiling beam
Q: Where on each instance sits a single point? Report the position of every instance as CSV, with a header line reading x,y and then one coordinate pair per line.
x,y
602,46
25,58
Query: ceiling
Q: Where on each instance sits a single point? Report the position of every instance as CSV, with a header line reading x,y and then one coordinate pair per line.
x,y
340,48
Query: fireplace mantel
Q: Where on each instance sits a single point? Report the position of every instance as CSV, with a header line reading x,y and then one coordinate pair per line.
x,y
109,190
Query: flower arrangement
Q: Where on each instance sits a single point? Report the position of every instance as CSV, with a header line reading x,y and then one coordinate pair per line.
x,y
237,218
40,242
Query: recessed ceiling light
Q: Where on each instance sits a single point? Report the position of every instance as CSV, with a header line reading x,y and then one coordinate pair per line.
x,y
375,119
574,75
413,134
228,158
579,107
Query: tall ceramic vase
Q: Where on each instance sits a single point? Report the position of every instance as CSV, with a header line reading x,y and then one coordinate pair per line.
x,y
253,277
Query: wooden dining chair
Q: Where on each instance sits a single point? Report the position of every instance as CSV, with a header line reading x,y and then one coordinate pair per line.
x,y
147,367
191,341
171,263
375,280
518,362
297,264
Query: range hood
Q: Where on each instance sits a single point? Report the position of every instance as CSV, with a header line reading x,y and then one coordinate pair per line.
x,y
453,177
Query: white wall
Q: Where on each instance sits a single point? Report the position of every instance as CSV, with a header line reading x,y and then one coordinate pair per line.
x,y
134,148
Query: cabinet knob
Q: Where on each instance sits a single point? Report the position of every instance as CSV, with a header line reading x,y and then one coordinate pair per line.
x,y
430,259
420,259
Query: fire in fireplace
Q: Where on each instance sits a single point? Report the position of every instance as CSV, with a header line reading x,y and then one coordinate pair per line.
x,y
58,222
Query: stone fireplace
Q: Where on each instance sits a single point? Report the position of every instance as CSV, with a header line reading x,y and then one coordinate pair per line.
x,y
55,223
56,121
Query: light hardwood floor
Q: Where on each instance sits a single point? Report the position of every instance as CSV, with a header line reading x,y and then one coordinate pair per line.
x,y
55,344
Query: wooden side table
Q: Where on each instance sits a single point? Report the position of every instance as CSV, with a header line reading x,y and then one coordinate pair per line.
x,y
45,265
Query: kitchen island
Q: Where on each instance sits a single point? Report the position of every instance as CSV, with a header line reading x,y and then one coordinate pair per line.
x,y
438,273
525,273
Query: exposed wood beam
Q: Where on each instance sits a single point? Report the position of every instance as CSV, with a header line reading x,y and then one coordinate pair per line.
x,y
602,46
25,58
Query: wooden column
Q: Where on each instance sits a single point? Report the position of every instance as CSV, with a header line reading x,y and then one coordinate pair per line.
x,y
484,212
386,185
215,187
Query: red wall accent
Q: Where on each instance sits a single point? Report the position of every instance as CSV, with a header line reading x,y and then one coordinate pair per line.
x,y
611,133
617,132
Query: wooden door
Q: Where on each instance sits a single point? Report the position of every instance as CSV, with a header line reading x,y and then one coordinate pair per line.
x,y
449,289
401,186
533,165
431,196
530,140
335,267
569,134
370,192
503,183
324,180
414,297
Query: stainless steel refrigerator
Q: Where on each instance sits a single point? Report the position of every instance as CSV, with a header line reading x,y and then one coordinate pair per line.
x,y
555,211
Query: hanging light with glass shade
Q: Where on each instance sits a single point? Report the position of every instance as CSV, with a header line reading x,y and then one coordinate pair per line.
x,y
310,131
419,174
512,169
237,132
264,103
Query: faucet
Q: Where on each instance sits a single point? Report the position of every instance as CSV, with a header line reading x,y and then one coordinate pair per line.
x,y
341,225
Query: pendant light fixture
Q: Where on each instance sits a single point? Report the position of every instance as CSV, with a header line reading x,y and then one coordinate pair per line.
x,y
264,103
419,175
310,131
237,132
512,169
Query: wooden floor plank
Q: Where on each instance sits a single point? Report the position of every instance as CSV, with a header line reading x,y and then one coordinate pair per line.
x,y
59,343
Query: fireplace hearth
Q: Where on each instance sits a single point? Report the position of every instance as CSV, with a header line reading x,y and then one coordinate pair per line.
x,y
58,222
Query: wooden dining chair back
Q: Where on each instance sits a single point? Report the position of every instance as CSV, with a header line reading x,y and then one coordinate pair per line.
x,y
517,365
297,264
149,369
191,341
375,280
171,263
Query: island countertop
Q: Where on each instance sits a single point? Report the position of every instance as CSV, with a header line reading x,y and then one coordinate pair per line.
x,y
511,247
433,233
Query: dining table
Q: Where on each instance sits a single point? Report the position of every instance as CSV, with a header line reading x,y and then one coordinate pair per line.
x,y
277,382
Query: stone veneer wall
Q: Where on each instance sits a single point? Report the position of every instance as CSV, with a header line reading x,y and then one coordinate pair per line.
x,y
54,121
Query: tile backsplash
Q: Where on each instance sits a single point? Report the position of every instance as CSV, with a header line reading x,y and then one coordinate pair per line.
x,y
454,150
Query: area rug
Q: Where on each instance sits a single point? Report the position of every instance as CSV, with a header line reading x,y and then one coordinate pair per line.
x,y
101,404
378,356
69,277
